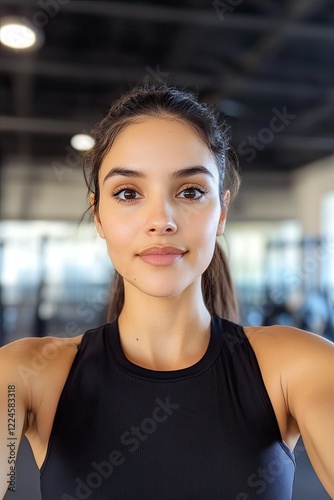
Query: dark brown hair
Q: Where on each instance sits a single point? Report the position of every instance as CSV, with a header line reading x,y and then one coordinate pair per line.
x,y
170,102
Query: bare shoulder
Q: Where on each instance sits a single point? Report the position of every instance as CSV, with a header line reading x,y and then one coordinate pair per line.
x,y
305,365
42,366
27,345
293,363
45,357
30,355
35,360
290,342
290,351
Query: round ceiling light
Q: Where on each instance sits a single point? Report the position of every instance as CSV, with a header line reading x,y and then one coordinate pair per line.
x,y
82,142
19,34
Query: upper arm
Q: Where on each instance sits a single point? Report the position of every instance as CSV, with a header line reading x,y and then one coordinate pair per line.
x,y
15,401
310,395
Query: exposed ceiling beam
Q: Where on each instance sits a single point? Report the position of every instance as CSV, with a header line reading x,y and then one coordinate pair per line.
x,y
68,127
178,15
268,6
295,143
43,126
304,143
302,8
22,95
270,43
101,73
88,72
313,116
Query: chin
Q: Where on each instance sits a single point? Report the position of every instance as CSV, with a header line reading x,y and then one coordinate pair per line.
x,y
163,288
162,293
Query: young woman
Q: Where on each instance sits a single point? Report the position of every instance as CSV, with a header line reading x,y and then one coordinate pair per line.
x,y
171,399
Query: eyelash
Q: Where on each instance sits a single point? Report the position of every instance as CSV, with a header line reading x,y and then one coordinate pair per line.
x,y
119,191
200,189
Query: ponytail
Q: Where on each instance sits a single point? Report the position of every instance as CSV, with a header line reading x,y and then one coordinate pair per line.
x,y
117,297
217,288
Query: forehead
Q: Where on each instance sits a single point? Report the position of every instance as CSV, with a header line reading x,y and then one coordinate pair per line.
x,y
166,141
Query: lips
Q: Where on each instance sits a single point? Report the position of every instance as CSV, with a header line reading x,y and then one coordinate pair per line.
x,y
162,256
166,250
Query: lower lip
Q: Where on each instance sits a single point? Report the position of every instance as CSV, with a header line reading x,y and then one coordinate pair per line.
x,y
162,260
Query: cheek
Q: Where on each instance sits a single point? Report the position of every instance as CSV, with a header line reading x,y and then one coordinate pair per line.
x,y
119,236
205,238
204,222
115,226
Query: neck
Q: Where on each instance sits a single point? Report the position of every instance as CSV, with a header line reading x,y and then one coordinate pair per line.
x,y
164,333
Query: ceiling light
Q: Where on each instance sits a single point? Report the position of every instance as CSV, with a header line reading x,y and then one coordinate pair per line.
x,y
82,142
19,34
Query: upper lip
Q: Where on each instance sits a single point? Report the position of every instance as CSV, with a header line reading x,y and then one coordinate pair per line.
x,y
162,250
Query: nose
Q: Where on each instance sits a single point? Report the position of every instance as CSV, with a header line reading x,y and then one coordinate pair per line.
x,y
160,219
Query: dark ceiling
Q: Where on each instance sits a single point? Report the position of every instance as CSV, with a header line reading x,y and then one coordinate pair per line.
x,y
267,64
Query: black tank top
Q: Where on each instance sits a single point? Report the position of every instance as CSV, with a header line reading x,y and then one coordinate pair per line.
x,y
205,432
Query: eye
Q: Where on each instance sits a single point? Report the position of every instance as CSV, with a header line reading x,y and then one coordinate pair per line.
x,y
125,195
192,193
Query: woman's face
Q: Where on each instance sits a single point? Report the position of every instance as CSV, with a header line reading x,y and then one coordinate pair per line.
x,y
159,187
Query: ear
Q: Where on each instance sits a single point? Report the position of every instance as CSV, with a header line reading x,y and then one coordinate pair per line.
x,y
223,214
96,216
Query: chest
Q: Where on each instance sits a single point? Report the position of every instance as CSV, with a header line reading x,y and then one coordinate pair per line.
x,y
132,439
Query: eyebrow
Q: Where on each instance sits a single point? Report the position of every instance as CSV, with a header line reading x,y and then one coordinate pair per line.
x,y
183,172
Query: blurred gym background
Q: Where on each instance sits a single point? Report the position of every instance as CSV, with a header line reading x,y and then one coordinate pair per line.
x,y
266,65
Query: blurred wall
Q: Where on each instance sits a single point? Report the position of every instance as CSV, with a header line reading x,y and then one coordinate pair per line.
x,y
310,184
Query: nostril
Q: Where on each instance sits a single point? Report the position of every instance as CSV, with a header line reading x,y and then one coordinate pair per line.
x,y
169,227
